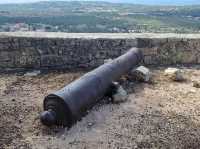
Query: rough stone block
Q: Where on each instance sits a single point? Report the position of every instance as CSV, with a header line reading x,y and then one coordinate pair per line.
x,y
196,84
4,46
142,74
159,49
145,43
131,42
120,96
149,51
33,73
174,74
151,60
51,61
24,61
198,59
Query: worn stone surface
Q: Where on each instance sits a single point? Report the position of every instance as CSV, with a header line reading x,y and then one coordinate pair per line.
x,y
141,74
107,60
196,84
32,74
120,96
161,115
71,51
174,74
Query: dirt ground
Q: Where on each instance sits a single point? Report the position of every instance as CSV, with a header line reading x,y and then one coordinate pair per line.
x,y
164,114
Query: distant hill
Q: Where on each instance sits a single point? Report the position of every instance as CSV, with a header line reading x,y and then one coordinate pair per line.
x,y
148,2
160,2
87,16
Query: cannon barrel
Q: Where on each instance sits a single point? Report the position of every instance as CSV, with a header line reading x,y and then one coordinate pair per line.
x,y
69,104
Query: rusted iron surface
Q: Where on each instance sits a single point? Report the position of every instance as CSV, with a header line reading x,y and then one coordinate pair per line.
x,y
69,104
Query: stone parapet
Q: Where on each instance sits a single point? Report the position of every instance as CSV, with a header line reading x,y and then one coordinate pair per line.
x,y
36,50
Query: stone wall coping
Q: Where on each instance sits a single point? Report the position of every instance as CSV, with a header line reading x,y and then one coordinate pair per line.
x,y
97,35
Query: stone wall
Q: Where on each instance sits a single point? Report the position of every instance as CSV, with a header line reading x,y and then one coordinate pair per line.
x,y
74,51
169,51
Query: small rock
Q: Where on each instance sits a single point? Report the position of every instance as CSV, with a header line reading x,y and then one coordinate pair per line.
x,y
32,74
90,124
20,121
160,105
112,90
49,139
142,74
13,99
192,91
107,60
196,84
120,96
174,74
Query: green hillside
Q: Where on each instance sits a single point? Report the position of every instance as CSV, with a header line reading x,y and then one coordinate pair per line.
x,y
99,17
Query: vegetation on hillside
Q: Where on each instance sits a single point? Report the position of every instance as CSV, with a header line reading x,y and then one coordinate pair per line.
x,y
98,17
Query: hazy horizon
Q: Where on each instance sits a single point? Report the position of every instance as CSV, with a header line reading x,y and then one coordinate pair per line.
x,y
147,2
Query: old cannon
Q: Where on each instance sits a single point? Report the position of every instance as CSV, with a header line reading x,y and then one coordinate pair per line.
x,y
69,104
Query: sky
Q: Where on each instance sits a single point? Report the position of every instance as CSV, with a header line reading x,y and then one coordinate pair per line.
x,y
151,2
17,1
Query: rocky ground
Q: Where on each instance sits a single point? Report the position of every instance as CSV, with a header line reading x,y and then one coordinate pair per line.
x,y
162,114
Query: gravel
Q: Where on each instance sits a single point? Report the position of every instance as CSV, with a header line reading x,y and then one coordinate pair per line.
x,y
163,114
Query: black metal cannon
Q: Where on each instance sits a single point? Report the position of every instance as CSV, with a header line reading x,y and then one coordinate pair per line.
x,y
69,104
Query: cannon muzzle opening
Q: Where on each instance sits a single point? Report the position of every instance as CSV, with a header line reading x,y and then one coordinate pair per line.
x,y
48,118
